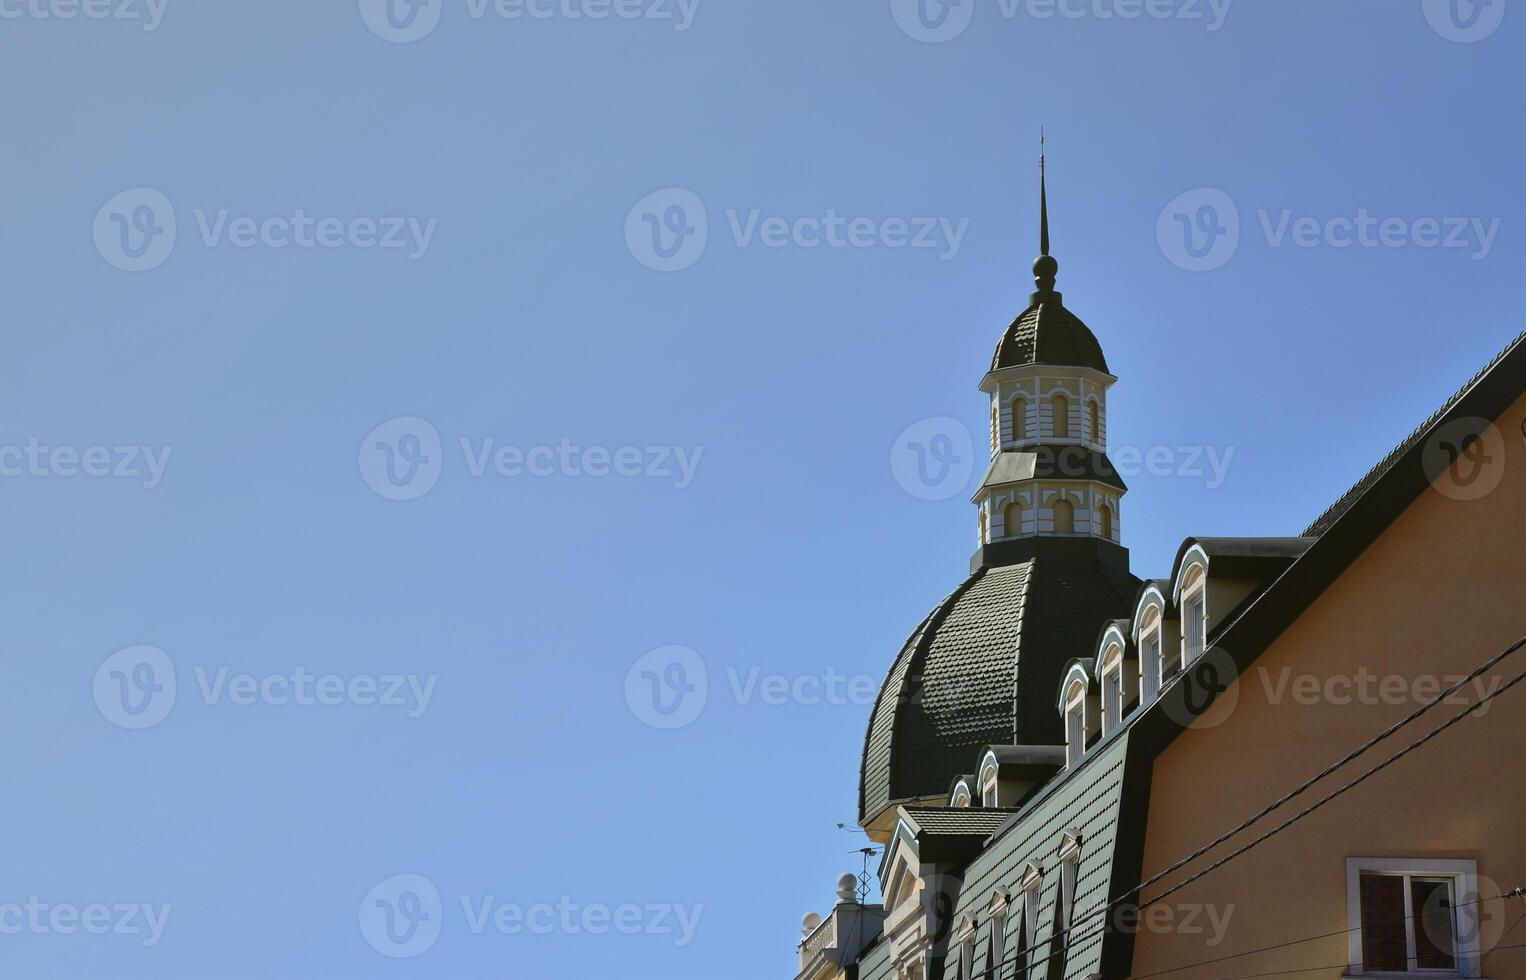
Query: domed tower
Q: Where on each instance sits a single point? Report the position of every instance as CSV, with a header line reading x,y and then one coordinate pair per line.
x,y
984,666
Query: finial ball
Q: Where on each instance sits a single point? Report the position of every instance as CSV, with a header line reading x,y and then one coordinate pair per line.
x,y
1045,267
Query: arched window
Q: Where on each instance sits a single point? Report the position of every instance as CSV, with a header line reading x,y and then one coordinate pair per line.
x,y
1064,517
1012,520
1019,419
995,428
1093,421
1075,723
1105,518
982,525
1059,407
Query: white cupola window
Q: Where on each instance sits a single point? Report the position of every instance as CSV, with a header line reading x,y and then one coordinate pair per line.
x,y
1012,519
1064,516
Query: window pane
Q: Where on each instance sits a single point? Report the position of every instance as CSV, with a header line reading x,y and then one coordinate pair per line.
x,y
1383,942
1432,902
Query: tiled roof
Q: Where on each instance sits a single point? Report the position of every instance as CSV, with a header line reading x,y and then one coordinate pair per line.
x,y
959,821
1048,333
984,669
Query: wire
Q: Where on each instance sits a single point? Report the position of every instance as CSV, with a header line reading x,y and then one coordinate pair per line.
x,y
1327,935
1062,934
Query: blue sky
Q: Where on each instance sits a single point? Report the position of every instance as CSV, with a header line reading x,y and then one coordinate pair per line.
x,y
381,241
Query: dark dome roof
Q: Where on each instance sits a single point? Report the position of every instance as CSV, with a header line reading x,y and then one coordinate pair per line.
x,y
983,669
1047,333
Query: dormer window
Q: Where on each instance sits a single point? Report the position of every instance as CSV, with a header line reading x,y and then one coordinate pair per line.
x,y
1152,667
1019,419
1060,416
961,797
1075,722
1194,614
988,794
1112,688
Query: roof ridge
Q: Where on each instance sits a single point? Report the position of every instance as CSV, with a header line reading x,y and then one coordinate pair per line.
x,y
1322,523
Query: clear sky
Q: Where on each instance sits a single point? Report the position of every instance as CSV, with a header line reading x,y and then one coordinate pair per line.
x,y
678,418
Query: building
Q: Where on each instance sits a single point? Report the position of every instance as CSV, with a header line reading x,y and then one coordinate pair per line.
x,y
1057,735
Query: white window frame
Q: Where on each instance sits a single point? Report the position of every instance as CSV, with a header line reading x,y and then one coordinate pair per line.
x,y
1070,867
967,949
1000,908
1464,875
961,796
1075,723
1032,885
1112,688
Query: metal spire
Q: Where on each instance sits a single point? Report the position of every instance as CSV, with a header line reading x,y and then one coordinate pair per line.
x,y
1044,267
1043,201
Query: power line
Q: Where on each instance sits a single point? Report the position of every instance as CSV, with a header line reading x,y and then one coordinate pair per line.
x,y
1328,935
1060,935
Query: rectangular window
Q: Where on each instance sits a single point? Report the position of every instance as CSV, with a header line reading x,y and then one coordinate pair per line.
x,y
1412,916
1407,923
998,944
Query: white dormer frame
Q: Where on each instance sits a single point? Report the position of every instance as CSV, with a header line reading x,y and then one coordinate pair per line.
x,y
1070,868
1032,886
1191,594
1150,641
989,770
966,937
961,795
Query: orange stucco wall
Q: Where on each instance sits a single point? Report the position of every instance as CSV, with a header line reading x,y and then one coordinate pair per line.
x,y
1442,589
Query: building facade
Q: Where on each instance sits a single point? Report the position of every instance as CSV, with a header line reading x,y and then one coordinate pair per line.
x,y
1063,757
